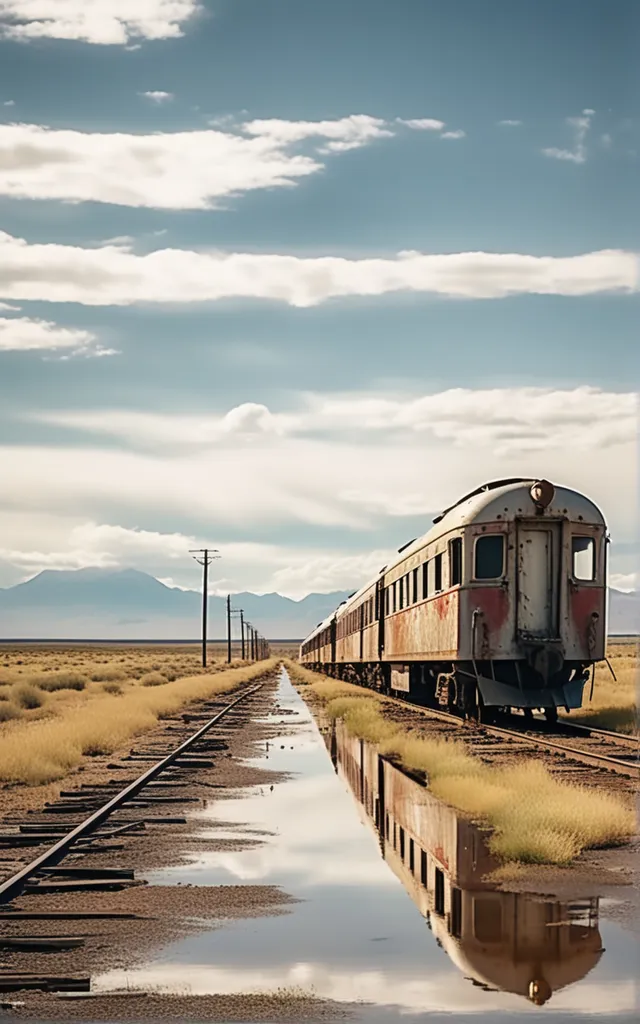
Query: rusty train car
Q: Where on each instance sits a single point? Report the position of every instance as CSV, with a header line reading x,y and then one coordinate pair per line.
x,y
506,941
501,605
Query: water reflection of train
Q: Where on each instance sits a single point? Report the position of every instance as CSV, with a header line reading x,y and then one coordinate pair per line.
x,y
499,940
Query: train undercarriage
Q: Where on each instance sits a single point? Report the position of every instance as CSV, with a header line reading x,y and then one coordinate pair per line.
x,y
480,690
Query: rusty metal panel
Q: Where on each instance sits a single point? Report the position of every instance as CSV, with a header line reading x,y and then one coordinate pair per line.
x,y
425,630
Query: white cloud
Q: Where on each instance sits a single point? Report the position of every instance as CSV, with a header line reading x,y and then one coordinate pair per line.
x,y
174,170
6,307
105,22
606,141
457,134
325,572
114,275
158,96
23,334
350,132
627,582
9,103
422,124
580,127
510,123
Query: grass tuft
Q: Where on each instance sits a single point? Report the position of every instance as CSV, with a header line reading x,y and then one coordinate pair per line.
x,y
27,696
153,679
112,687
9,712
60,681
107,675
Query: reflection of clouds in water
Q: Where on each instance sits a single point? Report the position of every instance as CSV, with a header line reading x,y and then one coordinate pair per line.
x,y
320,839
425,994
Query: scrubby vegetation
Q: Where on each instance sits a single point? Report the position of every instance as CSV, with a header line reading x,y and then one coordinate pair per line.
x,y
534,817
58,705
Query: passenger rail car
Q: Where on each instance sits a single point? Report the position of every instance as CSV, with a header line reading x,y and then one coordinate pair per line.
x,y
500,605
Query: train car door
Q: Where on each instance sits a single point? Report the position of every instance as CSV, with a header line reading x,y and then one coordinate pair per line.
x,y
539,549
332,640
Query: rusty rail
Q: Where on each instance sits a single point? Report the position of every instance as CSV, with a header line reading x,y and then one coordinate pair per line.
x,y
14,885
590,757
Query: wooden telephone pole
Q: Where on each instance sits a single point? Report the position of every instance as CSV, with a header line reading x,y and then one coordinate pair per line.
x,y
204,557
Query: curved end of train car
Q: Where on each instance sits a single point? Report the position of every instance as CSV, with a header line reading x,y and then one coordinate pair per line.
x,y
501,605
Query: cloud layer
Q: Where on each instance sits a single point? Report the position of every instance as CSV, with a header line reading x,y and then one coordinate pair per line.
x,y
506,420
104,22
342,465
115,275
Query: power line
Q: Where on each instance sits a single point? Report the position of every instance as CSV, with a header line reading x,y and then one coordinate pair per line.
x,y
204,557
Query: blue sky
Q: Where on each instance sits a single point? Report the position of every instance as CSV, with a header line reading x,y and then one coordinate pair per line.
x,y
289,277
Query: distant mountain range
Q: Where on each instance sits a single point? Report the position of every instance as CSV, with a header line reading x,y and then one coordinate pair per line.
x,y
125,604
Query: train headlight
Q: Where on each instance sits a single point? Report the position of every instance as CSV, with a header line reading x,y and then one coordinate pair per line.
x,y
542,493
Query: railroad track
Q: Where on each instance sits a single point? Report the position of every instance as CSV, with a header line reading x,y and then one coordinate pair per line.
x,y
600,749
94,833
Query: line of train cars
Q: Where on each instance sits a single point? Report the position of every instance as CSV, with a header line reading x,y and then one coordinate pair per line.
x,y
501,605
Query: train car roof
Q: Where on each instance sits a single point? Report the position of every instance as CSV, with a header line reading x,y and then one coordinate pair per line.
x,y
506,498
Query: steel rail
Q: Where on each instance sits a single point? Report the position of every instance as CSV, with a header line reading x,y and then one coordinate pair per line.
x,y
587,756
14,885
621,738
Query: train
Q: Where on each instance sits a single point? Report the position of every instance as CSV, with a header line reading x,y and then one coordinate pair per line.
x,y
501,941
501,605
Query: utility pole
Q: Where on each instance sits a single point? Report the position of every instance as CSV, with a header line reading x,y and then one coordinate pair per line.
x,y
204,557
229,628
242,630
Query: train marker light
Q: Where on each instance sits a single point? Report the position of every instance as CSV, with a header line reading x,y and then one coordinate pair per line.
x,y
542,493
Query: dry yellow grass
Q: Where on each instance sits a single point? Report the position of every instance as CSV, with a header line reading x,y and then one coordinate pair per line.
x,y
534,817
90,722
615,701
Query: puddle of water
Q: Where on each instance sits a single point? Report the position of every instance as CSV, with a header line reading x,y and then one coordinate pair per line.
x,y
397,917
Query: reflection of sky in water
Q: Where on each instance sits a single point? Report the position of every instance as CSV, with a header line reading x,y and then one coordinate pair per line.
x,y
356,934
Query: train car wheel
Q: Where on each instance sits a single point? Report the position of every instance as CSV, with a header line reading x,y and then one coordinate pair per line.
x,y
551,715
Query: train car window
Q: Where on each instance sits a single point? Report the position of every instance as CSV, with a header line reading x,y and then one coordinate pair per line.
x,y
401,589
415,596
455,561
411,856
386,600
425,580
438,573
423,868
439,893
583,557
489,557
401,831
394,595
